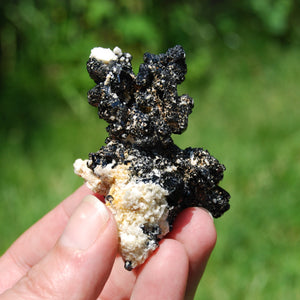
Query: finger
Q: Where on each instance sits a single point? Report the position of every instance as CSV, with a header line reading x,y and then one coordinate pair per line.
x,y
79,264
195,229
164,274
120,282
32,245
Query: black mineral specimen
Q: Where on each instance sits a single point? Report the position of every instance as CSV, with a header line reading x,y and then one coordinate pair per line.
x,y
143,111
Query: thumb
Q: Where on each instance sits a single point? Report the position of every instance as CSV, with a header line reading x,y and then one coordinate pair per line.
x,y
79,264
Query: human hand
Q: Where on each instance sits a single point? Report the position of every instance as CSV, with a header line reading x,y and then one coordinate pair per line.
x,y
71,253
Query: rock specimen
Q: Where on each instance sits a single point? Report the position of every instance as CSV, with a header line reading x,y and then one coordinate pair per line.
x,y
146,179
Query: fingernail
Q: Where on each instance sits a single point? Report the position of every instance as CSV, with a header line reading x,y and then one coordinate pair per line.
x,y
85,225
210,214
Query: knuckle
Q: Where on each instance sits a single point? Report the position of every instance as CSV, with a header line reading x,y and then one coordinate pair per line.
x,y
38,284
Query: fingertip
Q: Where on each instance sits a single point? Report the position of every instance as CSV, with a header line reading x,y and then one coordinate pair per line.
x,y
82,191
86,224
164,275
210,229
196,223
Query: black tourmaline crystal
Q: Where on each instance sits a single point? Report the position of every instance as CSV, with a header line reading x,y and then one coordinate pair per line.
x,y
143,111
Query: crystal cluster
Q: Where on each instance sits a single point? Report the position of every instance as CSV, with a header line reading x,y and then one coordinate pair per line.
x,y
146,178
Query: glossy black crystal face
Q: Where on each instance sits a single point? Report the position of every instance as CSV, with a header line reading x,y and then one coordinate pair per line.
x,y
144,109
142,112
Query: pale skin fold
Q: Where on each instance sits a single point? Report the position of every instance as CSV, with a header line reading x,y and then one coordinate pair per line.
x,y
71,253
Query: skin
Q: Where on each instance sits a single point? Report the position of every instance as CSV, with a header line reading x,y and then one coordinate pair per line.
x,y
49,261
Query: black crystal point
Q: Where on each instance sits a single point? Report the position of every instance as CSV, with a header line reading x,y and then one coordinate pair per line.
x,y
143,111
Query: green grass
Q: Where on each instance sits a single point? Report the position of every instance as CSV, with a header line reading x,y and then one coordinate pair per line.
x,y
254,111
247,116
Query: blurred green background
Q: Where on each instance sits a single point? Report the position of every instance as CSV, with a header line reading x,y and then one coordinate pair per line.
x,y
243,73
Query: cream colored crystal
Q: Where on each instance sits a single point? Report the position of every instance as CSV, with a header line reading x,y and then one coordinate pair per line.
x,y
134,205
104,54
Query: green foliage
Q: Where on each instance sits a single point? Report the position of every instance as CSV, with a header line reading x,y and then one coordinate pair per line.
x,y
133,30
243,73
273,14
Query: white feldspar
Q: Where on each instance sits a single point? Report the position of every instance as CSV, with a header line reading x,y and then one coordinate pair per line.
x,y
117,51
96,184
133,204
104,54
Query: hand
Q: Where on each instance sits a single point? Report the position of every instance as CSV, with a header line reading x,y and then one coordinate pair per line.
x,y
71,253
